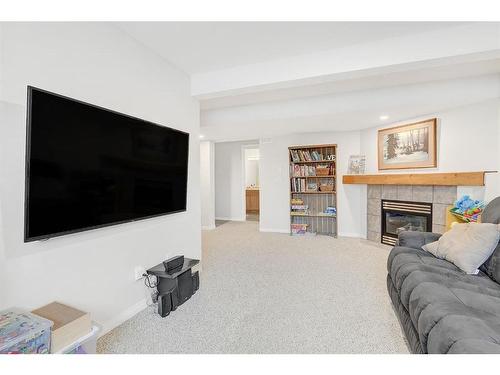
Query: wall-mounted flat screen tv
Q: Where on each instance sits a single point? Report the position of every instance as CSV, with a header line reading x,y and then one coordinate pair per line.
x,y
88,167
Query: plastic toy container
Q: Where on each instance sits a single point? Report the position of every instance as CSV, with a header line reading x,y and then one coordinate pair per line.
x,y
84,345
24,333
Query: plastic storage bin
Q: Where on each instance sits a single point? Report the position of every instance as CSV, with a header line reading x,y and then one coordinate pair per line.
x,y
84,345
24,333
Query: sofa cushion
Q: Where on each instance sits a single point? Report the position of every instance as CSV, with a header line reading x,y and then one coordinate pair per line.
x,y
416,239
474,346
492,266
447,307
491,214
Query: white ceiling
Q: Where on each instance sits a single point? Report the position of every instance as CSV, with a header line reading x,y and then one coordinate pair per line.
x,y
257,79
197,47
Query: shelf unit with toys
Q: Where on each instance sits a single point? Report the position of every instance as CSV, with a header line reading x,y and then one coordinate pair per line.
x,y
313,192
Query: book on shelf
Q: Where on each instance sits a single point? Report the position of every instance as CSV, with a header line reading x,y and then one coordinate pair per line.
x,y
299,209
303,170
298,185
316,156
306,155
301,155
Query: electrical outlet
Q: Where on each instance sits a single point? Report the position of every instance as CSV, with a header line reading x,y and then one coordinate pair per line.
x,y
138,272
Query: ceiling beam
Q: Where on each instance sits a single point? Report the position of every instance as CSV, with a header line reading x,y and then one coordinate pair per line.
x,y
460,44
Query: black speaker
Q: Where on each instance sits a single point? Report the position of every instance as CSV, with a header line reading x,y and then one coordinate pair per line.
x,y
184,286
164,304
196,281
174,297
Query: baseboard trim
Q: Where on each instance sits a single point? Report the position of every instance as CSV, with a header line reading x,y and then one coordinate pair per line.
x,y
351,235
287,231
123,317
230,218
208,227
270,230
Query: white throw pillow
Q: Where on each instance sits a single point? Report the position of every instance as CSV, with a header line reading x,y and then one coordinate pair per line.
x,y
467,246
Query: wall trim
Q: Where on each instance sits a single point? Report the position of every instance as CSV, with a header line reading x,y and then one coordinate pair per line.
x,y
351,235
230,218
123,316
270,230
208,227
287,231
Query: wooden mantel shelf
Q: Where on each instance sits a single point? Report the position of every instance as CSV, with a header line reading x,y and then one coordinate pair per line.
x,y
455,178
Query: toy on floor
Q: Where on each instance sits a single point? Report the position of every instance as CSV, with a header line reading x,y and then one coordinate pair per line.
x,y
467,209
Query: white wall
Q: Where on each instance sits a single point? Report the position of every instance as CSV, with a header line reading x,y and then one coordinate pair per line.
x,y
468,140
207,185
92,270
1,61
468,137
274,181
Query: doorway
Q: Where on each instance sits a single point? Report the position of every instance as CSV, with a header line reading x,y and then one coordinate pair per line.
x,y
251,159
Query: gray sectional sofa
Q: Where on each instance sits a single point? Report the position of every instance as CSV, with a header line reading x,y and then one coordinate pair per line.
x,y
442,309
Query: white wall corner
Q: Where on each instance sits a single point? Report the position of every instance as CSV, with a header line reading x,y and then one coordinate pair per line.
x,y
227,218
207,184
123,317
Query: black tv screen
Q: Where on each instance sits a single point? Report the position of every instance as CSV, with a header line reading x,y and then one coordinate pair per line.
x,y
89,167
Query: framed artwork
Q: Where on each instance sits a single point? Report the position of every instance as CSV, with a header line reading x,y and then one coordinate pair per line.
x,y
408,146
357,164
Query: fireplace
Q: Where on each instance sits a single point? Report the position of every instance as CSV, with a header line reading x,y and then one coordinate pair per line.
x,y
400,216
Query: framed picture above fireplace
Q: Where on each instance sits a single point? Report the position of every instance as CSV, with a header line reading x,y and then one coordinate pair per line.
x,y
408,146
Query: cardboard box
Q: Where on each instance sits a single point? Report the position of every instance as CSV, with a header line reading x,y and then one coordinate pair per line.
x,y
69,324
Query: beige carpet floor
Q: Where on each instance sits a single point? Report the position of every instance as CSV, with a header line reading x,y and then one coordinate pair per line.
x,y
273,293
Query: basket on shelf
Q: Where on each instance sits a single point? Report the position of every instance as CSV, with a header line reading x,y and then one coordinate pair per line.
x,y
326,187
322,171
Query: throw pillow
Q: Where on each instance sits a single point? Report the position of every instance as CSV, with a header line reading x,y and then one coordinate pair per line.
x,y
467,246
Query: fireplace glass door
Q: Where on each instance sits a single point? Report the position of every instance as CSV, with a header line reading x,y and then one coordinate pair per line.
x,y
402,216
396,223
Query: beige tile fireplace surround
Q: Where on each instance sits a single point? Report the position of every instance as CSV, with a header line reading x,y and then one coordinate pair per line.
x,y
439,196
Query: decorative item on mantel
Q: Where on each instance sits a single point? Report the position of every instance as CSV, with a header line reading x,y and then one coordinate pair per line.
x,y
357,164
408,146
